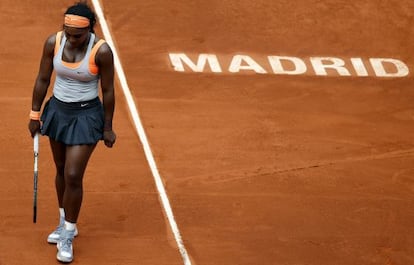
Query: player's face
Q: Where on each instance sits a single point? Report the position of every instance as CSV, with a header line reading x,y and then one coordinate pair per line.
x,y
76,36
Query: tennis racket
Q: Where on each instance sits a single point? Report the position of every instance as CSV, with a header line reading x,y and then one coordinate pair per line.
x,y
35,175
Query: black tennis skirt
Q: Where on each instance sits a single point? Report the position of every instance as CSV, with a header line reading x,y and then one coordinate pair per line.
x,y
75,123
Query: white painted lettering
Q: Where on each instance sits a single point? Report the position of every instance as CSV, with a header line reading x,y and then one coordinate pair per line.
x,y
385,67
359,67
237,61
320,64
299,66
289,65
177,60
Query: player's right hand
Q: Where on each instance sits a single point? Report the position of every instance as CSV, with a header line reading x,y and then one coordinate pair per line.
x,y
34,127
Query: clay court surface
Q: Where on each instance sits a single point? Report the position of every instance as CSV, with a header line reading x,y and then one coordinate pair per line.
x,y
259,168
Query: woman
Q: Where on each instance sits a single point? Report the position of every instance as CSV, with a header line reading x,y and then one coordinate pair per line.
x,y
74,118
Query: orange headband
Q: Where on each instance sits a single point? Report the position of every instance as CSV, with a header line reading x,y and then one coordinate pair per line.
x,y
76,21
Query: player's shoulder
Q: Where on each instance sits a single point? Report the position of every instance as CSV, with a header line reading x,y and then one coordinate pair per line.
x,y
51,39
102,42
104,47
50,42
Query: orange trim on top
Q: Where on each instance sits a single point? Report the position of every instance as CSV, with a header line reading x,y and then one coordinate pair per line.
x,y
93,68
57,46
58,40
72,65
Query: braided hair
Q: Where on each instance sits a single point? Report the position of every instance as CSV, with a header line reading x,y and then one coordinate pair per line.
x,y
82,9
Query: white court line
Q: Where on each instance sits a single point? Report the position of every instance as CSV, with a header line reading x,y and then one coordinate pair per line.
x,y
141,133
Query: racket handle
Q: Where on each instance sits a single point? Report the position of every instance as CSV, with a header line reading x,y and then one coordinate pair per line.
x,y
36,143
34,214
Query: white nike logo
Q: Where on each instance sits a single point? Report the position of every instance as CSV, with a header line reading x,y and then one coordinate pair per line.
x,y
84,104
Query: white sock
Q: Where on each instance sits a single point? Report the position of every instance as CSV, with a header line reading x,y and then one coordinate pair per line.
x,y
62,213
70,226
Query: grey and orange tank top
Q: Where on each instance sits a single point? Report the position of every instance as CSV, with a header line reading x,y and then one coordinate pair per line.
x,y
76,82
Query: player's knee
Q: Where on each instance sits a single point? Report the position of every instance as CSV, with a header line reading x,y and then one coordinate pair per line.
x,y
60,168
73,179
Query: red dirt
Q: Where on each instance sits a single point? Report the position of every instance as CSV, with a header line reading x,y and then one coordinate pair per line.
x,y
259,169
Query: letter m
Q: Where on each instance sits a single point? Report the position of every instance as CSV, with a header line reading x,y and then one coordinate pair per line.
x,y
179,59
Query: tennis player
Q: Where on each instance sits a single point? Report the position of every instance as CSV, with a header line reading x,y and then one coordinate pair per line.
x,y
74,117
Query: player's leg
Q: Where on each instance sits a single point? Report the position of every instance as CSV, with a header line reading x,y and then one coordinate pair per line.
x,y
59,154
77,158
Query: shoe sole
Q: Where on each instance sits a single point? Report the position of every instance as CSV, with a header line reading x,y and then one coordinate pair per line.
x,y
63,259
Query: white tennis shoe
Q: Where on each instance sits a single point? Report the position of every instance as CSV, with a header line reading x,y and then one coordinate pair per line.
x,y
54,237
65,247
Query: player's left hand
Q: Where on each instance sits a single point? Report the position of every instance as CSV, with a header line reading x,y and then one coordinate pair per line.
x,y
109,138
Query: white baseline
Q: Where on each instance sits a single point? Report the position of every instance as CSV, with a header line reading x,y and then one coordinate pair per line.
x,y
142,136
